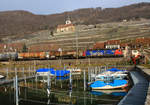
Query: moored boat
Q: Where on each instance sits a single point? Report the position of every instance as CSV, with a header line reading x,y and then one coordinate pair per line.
x,y
2,77
75,71
109,82
115,84
114,72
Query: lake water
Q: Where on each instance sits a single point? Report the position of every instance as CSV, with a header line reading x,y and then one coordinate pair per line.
x,y
35,93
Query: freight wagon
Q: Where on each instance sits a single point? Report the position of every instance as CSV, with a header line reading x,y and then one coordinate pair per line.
x,y
33,55
62,55
8,56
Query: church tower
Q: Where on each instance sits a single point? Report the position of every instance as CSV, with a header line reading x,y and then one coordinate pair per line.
x,y
68,21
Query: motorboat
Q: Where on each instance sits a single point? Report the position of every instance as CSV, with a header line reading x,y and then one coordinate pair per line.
x,y
2,77
109,83
75,71
114,72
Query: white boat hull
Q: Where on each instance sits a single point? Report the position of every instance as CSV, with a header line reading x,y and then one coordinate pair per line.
x,y
109,87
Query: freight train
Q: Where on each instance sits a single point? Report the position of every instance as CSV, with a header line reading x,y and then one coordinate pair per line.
x,y
62,54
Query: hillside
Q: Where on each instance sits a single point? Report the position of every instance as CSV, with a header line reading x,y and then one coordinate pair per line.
x,y
18,24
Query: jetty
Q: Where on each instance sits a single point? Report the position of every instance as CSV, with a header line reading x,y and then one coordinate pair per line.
x,y
139,93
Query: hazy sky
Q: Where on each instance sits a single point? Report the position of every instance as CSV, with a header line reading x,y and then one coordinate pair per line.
x,y
58,6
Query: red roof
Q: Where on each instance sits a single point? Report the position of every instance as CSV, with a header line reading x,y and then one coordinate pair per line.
x,y
113,42
11,47
99,46
142,40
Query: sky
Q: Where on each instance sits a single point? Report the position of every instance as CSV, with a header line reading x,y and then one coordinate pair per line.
x,y
58,6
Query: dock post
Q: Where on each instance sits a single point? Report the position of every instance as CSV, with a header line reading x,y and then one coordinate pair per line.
x,y
25,80
84,81
15,71
96,70
36,77
23,71
48,79
48,84
7,72
34,70
70,80
55,78
29,71
99,70
88,75
105,68
36,81
16,83
14,88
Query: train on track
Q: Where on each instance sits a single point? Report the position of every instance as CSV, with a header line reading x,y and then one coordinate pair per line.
x,y
62,54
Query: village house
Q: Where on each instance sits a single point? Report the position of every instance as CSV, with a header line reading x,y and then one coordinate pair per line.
x,y
11,47
68,27
112,44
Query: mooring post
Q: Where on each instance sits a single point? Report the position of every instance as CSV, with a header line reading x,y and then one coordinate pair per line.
x,y
29,71
7,72
25,80
16,83
70,94
23,71
105,68
55,78
91,99
88,75
48,84
36,77
84,81
15,71
70,79
48,79
96,70
34,70
14,88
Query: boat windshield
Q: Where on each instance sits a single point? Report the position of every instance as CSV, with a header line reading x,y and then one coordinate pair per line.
x,y
108,79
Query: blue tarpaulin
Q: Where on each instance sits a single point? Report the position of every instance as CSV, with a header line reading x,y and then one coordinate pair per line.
x,y
113,84
115,70
54,72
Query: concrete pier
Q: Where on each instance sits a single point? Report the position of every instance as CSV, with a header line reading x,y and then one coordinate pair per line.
x,y
138,94
146,73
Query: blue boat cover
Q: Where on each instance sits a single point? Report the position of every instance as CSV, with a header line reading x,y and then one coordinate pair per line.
x,y
54,72
45,69
113,84
114,70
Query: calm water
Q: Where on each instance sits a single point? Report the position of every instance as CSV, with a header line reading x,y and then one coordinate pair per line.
x,y
35,93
